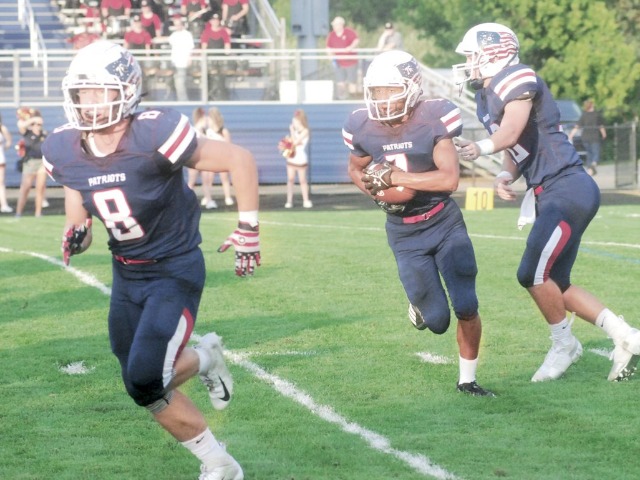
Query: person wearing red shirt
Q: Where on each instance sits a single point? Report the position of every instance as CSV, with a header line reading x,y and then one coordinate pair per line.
x,y
234,16
137,38
215,36
150,21
115,8
342,42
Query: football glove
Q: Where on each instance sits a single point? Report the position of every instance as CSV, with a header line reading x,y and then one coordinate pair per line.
x,y
72,240
377,180
389,207
246,241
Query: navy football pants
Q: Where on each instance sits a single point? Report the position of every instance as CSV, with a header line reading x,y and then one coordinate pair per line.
x,y
564,209
424,251
151,317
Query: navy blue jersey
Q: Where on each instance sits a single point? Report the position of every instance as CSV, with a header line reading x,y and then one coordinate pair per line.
x,y
409,146
138,191
543,150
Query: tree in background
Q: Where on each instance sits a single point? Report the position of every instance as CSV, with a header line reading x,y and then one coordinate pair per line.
x,y
582,48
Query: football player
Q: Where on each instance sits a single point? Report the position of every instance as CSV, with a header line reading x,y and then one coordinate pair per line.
x,y
126,168
522,119
412,139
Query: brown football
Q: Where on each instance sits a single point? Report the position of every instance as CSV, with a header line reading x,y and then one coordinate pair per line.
x,y
393,195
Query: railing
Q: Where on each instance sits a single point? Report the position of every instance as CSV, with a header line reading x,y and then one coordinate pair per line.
x,y
37,47
278,72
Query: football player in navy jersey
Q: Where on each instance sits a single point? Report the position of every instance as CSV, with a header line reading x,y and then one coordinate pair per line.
x,y
523,121
125,168
412,139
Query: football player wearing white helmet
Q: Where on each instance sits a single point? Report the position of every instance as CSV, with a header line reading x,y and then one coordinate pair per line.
x,y
489,48
522,120
126,168
412,140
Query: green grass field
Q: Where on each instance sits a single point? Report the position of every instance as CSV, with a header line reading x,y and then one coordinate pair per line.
x,y
331,380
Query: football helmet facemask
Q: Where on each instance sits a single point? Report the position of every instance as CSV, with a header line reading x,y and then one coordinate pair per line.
x,y
107,66
489,48
393,69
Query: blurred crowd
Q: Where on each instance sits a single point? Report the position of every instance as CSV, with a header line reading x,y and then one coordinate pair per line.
x,y
176,25
112,19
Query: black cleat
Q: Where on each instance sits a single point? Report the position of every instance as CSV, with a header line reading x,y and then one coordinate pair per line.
x,y
472,388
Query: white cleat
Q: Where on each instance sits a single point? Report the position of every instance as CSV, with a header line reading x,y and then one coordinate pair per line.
x,y
227,469
625,357
558,360
218,379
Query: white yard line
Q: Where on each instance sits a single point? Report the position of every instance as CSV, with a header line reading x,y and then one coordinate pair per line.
x,y
418,462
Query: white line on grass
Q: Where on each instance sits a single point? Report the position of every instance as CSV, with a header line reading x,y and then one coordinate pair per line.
x,y
520,238
418,462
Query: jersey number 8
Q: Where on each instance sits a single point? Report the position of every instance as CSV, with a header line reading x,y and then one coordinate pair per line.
x,y
115,211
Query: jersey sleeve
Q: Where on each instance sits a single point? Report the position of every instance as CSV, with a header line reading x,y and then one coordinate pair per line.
x,y
351,132
446,119
58,151
173,136
519,83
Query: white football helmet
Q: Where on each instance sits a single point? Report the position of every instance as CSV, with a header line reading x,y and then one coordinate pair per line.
x,y
107,66
489,48
393,69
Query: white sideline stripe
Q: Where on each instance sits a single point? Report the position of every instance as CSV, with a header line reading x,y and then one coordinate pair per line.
x,y
418,462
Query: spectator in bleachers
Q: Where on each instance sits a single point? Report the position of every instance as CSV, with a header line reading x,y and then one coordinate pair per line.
x,y
390,39
151,22
234,17
137,38
215,36
5,143
343,41
92,17
194,10
182,45
83,38
115,8
115,16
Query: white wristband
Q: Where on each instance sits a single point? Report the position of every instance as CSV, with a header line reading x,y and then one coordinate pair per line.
x,y
486,146
505,174
250,217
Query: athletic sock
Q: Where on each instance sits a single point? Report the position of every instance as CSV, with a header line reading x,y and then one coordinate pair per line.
x,y
467,370
561,332
613,325
205,447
